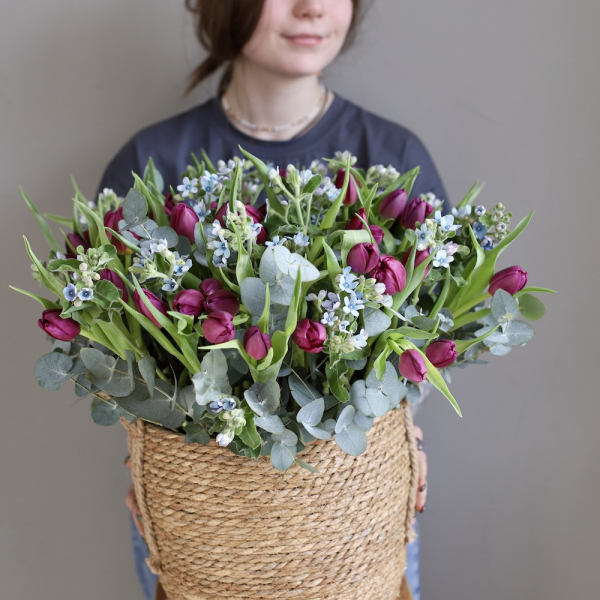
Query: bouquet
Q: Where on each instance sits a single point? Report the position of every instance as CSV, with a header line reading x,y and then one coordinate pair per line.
x,y
268,308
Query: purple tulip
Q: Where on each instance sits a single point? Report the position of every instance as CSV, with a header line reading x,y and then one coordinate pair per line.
x,y
415,210
169,204
391,272
222,300
363,258
116,281
218,327
355,224
351,192
309,336
256,343
111,220
210,286
76,240
420,256
392,205
183,220
412,366
511,280
189,302
441,353
57,327
155,301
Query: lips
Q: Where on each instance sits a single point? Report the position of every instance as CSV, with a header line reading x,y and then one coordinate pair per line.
x,y
305,39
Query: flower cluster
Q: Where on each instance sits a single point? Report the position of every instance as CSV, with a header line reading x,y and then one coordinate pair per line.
x,y
256,305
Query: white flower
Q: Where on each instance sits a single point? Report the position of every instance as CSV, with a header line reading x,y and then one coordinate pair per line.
x,y
450,248
316,298
446,222
300,240
224,438
344,326
360,339
209,182
333,302
216,227
423,235
329,319
348,281
442,259
188,187
305,176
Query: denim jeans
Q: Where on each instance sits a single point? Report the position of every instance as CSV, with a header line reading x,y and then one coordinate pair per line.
x,y
148,579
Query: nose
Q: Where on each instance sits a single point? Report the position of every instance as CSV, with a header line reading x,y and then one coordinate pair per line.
x,y
309,9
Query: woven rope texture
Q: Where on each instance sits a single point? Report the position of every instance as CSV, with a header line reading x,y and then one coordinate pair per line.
x,y
224,526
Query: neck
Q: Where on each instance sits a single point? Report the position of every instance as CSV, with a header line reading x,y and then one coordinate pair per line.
x,y
270,99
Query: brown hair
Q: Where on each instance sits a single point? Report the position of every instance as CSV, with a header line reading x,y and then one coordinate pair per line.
x,y
223,29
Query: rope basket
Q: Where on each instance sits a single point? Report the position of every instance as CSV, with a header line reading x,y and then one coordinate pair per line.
x,y
224,526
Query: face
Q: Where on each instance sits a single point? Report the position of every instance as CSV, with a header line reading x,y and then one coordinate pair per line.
x,y
299,37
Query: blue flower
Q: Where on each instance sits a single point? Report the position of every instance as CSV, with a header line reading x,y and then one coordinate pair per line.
x,y
329,319
348,281
222,248
170,285
224,438
423,235
86,294
181,269
442,259
333,302
209,182
216,407
479,211
276,241
70,292
479,229
489,243
201,211
228,403
188,187
446,222
360,339
344,326
300,240
353,305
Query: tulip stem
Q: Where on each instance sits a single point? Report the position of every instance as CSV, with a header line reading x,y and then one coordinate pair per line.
x,y
469,305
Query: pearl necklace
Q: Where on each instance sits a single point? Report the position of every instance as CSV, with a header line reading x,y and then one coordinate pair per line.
x,y
275,128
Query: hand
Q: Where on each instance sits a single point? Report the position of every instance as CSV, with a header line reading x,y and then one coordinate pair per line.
x,y
132,505
422,486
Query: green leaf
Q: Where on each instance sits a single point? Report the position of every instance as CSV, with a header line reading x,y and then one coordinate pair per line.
x,y
97,363
263,398
120,384
135,208
413,334
51,282
306,466
346,417
282,456
312,184
471,194
270,423
215,363
311,413
52,370
166,233
333,266
147,367
196,434
504,307
249,435
64,221
105,412
301,391
534,290
47,304
376,321
531,307
253,292
317,432
518,333
352,439
336,383
46,231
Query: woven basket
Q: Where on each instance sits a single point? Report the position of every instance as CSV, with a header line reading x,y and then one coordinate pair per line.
x,y
223,526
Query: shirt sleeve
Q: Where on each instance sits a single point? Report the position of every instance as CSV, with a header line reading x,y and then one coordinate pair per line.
x,y
118,174
429,179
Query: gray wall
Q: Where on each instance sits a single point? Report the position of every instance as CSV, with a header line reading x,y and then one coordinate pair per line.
x,y
502,91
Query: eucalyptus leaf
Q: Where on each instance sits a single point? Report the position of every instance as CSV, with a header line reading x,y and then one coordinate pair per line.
x,y
270,423
253,292
98,363
187,398
196,434
166,233
317,432
346,417
352,439
263,398
135,207
376,321
358,398
311,413
504,307
52,370
364,422
147,367
282,457
120,384
518,333
287,437
105,412
301,391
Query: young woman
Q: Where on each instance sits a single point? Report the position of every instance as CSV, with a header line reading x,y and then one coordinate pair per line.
x,y
272,103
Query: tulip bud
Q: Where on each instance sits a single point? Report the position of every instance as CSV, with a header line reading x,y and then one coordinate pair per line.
x,y
169,204
183,220
189,302
218,327
351,192
309,336
511,280
210,286
154,300
222,300
256,343
116,281
441,353
420,256
111,220
415,210
392,205
76,240
390,272
55,326
355,224
412,366
363,258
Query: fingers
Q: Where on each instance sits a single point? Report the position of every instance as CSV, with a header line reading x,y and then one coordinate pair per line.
x,y
132,505
422,486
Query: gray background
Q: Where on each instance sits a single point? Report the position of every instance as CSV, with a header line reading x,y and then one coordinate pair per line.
x,y
505,91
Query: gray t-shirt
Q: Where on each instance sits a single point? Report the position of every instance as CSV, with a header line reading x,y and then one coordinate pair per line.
x,y
345,126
